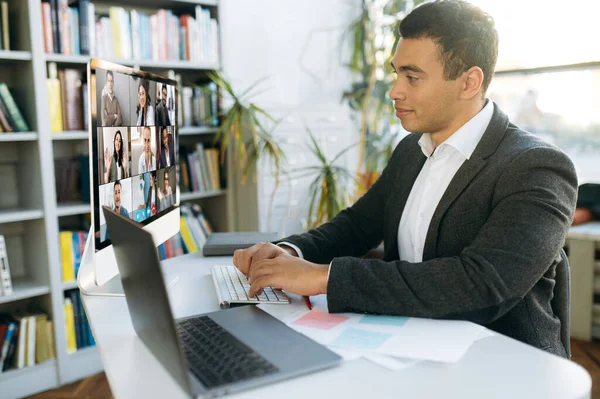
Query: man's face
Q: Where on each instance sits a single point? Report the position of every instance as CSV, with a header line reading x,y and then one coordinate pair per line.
x,y
117,195
164,96
165,138
166,181
147,141
110,83
424,101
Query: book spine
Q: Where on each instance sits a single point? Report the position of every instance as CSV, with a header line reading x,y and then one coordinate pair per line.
x,y
70,326
10,356
7,342
66,252
76,318
91,15
5,279
12,108
47,25
31,335
84,9
54,14
5,27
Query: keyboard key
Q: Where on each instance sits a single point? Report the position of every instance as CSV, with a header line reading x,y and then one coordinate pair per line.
x,y
238,287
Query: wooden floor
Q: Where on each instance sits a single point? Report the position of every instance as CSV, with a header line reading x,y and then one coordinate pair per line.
x,y
586,354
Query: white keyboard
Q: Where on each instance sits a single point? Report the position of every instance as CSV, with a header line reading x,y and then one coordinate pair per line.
x,y
232,287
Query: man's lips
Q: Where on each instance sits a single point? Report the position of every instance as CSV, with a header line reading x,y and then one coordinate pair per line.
x,y
401,113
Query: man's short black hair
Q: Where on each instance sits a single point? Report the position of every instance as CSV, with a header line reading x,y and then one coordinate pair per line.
x,y
164,86
466,36
110,73
117,182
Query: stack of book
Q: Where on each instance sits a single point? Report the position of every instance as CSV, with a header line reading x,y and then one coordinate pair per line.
x,y
11,119
194,230
26,339
199,105
72,244
77,327
67,99
200,169
129,34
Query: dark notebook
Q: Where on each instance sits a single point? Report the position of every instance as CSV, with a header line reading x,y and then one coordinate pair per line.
x,y
224,244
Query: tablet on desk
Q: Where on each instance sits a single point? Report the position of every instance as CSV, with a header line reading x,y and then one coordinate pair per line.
x,y
225,244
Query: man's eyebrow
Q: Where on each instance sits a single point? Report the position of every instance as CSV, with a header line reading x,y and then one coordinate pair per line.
x,y
411,68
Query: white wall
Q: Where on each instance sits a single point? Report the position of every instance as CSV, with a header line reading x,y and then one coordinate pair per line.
x,y
297,44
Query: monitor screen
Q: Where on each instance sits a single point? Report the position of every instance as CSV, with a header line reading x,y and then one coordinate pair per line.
x,y
133,145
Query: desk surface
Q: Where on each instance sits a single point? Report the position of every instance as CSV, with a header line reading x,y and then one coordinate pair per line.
x,y
496,367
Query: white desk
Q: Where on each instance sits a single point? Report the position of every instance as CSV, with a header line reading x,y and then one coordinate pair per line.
x,y
497,367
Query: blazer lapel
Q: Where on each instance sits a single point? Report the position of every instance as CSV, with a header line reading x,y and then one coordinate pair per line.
x,y
404,181
470,168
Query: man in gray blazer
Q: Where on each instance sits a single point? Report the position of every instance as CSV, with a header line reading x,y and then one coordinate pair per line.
x,y
472,214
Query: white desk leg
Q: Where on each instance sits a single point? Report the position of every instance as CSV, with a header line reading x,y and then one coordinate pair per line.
x,y
581,259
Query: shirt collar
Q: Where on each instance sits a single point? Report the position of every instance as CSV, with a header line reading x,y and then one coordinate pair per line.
x,y
466,138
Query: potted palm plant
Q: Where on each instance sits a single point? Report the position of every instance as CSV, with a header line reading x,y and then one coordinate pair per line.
x,y
243,130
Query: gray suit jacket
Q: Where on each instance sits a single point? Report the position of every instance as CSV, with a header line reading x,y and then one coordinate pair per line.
x,y
491,249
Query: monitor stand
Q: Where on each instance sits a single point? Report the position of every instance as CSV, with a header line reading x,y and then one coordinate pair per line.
x,y
86,278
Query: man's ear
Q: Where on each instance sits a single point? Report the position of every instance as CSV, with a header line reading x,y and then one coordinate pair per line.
x,y
473,80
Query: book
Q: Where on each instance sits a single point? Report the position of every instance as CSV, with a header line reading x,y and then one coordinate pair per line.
x,y
70,326
31,341
19,361
11,106
5,27
47,28
41,336
12,348
6,336
50,335
5,279
54,99
66,254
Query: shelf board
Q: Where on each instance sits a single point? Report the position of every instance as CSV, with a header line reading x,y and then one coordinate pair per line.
x,y
71,135
73,208
20,215
196,130
20,136
23,289
159,64
69,285
201,194
29,380
81,364
9,55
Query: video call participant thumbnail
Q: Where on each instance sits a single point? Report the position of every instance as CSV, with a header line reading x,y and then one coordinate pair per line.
x,y
143,149
111,109
144,196
162,111
142,101
166,190
119,200
116,159
167,153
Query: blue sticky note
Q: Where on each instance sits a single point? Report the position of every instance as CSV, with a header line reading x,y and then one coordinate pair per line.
x,y
354,338
397,321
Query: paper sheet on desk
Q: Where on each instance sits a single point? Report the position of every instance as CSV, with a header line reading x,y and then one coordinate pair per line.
x,y
401,337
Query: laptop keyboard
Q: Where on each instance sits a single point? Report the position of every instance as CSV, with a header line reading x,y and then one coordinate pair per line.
x,y
238,287
216,357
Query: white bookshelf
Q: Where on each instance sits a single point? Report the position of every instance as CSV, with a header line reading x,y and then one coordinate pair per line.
x,y
71,135
72,208
21,136
31,216
15,55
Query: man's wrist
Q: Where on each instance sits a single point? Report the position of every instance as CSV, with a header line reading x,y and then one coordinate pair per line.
x,y
289,250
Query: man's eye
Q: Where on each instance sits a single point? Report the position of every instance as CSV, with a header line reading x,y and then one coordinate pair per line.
x,y
411,78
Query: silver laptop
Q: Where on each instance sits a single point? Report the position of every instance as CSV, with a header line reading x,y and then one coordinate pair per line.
x,y
214,353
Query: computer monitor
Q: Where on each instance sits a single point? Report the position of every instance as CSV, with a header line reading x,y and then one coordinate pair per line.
x,y
133,148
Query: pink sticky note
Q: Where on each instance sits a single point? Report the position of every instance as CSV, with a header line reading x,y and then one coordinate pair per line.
x,y
317,319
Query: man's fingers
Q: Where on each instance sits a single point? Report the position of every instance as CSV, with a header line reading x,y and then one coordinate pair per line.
x,y
257,285
243,257
267,251
259,269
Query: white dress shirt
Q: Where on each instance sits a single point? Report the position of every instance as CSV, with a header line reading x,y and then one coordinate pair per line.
x,y
142,164
440,167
